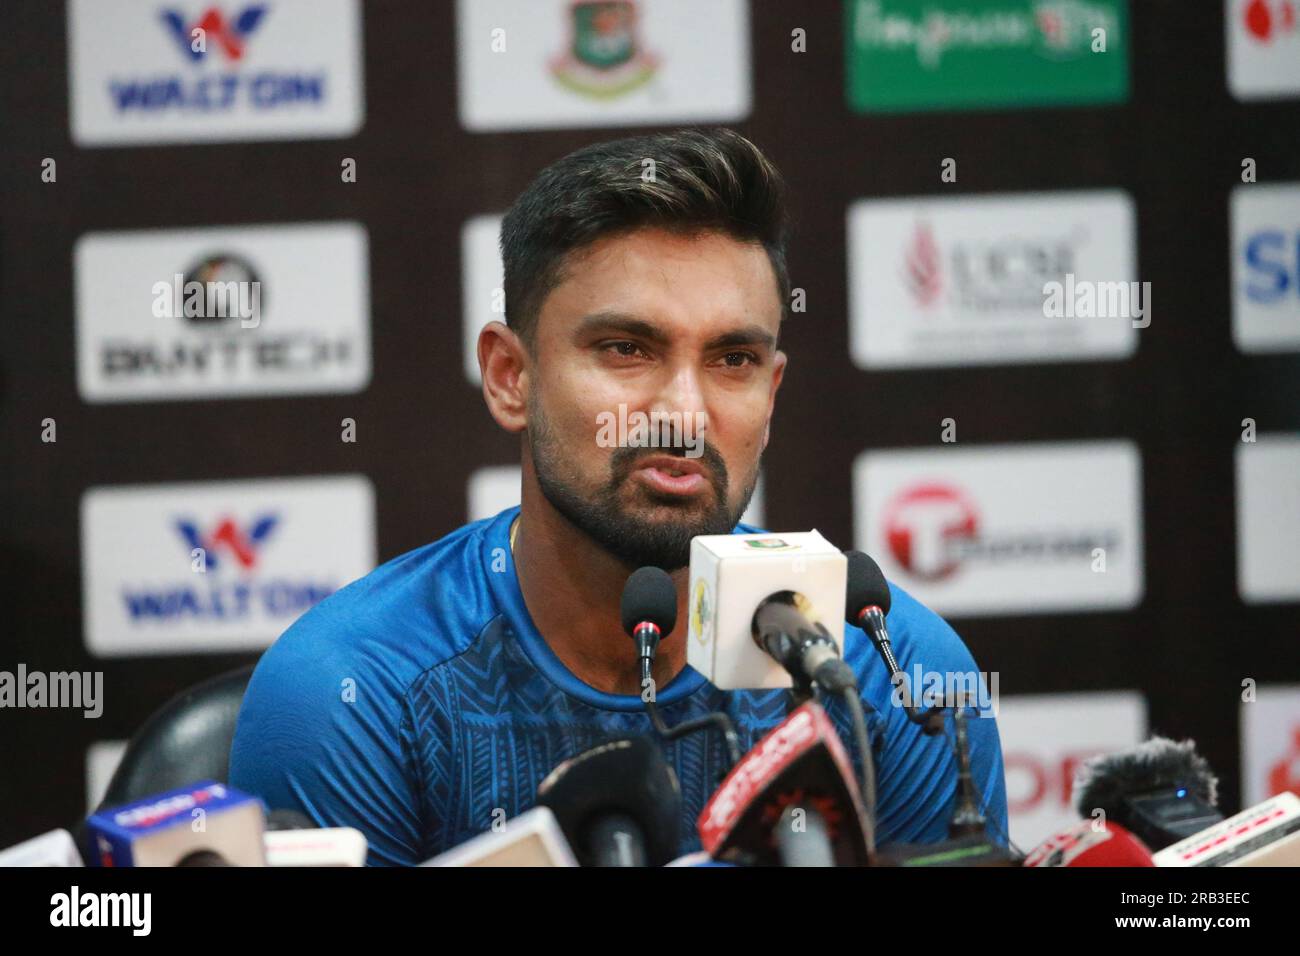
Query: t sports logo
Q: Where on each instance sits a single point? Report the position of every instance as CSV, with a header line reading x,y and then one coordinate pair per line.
x,y
212,27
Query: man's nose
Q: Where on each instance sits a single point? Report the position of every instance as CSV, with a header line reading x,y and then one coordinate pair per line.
x,y
681,399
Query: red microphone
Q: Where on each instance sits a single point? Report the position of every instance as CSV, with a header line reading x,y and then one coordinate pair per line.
x,y
1089,843
799,765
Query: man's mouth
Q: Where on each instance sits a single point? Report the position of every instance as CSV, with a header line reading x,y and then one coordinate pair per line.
x,y
671,476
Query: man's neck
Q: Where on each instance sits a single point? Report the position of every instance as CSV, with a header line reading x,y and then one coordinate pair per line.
x,y
573,589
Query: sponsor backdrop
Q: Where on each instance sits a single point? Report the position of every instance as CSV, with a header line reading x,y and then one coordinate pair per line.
x,y
1045,350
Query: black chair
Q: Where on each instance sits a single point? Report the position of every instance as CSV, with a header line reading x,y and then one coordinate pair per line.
x,y
185,740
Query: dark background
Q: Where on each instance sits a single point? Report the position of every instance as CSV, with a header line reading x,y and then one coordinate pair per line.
x,y
1176,146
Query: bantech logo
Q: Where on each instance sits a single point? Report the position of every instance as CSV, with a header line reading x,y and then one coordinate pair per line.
x,y
217,565
260,310
185,70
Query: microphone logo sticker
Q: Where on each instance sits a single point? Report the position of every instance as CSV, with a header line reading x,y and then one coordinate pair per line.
x,y
702,612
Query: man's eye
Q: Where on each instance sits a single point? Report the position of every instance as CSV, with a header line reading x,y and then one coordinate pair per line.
x,y
739,359
624,349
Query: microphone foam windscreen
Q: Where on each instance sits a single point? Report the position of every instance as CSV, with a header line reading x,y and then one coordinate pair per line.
x,y
866,586
621,777
649,595
1104,781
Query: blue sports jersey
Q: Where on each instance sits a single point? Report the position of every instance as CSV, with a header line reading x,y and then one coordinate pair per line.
x,y
420,702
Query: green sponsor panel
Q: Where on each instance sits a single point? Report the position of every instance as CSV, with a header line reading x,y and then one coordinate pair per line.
x,y
911,55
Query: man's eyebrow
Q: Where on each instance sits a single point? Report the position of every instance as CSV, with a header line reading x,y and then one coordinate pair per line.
x,y
620,322
607,322
749,335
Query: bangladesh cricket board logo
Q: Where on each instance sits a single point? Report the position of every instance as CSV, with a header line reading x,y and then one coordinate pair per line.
x,y
605,57
702,611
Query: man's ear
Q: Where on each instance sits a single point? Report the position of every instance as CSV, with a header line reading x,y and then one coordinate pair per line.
x,y
503,366
778,372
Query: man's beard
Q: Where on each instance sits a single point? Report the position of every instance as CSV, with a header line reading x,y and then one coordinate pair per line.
x,y
633,538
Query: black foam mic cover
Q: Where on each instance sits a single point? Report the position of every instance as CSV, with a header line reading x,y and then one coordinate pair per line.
x,y
649,595
866,586
624,778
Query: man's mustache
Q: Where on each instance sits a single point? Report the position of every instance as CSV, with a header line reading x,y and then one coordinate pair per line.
x,y
623,462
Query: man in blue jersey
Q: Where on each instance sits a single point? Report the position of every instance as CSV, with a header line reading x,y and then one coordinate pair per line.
x,y
426,701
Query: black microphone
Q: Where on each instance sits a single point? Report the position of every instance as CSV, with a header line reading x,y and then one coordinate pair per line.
x,y
867,602
1160,790
781,627
649,611
618,804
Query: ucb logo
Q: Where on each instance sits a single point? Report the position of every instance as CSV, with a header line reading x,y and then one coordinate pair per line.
x,y
216,31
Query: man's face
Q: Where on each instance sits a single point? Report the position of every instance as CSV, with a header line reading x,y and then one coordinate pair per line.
x,y
675,331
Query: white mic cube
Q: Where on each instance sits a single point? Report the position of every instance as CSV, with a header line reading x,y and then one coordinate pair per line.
x,y
731,574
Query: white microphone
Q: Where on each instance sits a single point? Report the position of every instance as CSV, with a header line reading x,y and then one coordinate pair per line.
x,y
796,580
204,824
56,848
1267,834
530,839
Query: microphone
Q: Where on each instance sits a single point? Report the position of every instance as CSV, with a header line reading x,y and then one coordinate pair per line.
x,y
292,838
1161,790
783,627
1091,843
533,838
618,804
759,609
205,824
649,611
55,848
1267,834
867,602
799,765
804,840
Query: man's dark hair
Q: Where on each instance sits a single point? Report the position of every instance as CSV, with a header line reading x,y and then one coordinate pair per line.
x,y
704,180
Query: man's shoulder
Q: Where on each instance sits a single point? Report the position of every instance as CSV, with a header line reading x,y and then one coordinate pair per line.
x,y
919,633
411,613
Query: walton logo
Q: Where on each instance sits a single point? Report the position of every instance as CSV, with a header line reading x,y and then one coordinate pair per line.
x,y
923,524
229,537
228,35
1266,19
